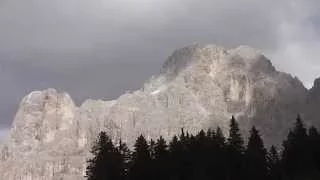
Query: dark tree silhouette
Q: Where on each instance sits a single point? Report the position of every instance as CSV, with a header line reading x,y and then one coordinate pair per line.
x,y
314,145
186,158
106,161
208,155
175,157
217,165
161,151
274,164
220,139
152,145
255,157
200,152
314,152
235,151
235,140
93,171
124,159
161,158
296,156
140,169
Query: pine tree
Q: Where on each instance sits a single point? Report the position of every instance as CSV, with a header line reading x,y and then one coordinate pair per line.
x,y
300,131
125,159
314,149
152,145
313,133
175,145
141,160
200,147
274,164
105,163
161,150
255,157
235,151
295,156
201,153
314,140
220,139
235,140
161,160
93,168
183,137
175,158
181,156
217,165
211,134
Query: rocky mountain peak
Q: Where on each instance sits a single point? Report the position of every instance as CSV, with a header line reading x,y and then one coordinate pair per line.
x,y
41,115
45,97
242,57
316,84
179,59
314,93
199,87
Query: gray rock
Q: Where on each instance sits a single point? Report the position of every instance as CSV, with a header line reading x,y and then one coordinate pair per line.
x,y
199,87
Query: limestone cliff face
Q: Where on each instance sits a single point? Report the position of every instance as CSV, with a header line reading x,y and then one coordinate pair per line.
x,y
199,87
313,104
42,141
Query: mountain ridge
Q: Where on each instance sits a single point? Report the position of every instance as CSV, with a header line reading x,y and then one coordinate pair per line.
x,y
198,87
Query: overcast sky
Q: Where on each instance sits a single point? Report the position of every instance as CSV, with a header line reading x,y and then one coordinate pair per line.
x,y
101,48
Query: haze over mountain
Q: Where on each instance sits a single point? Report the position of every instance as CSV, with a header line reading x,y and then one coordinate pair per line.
x,y
198,87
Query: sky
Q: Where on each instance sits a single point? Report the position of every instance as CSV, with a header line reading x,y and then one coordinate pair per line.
x,y
101,48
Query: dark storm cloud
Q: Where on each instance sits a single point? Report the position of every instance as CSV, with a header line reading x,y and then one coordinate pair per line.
x,y
101,48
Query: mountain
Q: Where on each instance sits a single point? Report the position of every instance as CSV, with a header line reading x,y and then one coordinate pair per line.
x,y
198,87
313,104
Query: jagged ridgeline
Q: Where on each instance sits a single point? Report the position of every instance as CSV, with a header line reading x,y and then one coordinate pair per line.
x,y
199,87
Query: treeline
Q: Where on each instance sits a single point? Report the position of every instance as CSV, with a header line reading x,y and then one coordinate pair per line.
x,y
209,156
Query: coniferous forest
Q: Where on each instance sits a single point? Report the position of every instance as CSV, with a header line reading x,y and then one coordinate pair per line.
x,y
209,155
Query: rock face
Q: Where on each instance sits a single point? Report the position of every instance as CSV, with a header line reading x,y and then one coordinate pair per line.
x,y
199,87
313,104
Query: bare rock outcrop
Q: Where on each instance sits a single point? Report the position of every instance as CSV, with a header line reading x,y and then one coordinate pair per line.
x,y
199,87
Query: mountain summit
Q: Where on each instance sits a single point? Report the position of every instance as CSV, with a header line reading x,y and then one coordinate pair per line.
x,y
199,87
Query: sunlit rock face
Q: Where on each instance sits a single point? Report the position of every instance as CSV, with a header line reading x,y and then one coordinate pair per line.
x,y
199,87
42,144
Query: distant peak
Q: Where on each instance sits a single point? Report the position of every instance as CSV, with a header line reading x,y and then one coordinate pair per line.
x,y
183,57
316,84
38,97
179,58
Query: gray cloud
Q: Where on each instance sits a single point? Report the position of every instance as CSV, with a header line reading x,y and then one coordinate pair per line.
x,y
101,48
